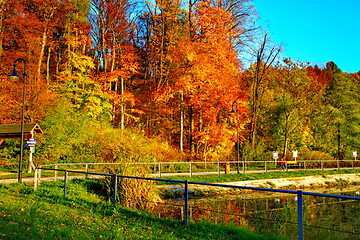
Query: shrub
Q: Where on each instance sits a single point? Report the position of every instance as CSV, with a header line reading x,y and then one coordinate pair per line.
x,y
133,193
315,155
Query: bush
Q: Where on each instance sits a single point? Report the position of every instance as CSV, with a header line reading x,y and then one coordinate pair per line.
x,y
133,193
315,155
73,136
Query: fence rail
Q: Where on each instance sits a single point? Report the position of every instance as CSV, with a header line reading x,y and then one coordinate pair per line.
x,y
191,168
299,193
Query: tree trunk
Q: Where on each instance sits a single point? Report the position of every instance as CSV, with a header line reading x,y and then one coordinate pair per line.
x,y
122,105
264,59
2,3
48,66
41,55
181,122
339,142
191,129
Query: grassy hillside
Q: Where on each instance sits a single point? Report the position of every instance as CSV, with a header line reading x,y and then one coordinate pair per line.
x,y
85,215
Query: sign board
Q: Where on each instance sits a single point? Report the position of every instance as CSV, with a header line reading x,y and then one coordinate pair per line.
x,y
31,142
275,155
295,154
355,154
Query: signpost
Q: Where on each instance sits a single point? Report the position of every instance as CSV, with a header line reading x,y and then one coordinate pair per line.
x,y
295,154
31,144
275,156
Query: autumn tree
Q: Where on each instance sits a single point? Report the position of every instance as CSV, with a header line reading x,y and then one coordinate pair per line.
x,y
115,54
2,16
207,74
163,24
28,28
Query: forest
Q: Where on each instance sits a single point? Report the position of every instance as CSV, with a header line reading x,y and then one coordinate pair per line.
x,y
166,80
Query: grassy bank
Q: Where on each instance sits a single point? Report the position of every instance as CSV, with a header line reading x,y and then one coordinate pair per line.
x,y
85,215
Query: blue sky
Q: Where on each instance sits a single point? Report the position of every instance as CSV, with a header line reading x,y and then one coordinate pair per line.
x,y
315,31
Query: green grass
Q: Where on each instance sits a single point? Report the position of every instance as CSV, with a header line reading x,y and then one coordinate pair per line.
x,y
45,214
255,176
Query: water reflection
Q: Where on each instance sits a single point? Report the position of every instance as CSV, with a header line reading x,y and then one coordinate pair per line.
x,y
274,213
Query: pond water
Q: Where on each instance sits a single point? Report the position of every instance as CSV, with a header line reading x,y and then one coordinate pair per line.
x,y
275,213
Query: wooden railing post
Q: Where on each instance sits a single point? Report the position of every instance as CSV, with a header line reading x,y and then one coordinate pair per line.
x,y
36,179
191,172
266,166
65,183
159,169
86,170
56,172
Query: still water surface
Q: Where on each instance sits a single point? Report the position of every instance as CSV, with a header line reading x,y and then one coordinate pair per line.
x,y
275,213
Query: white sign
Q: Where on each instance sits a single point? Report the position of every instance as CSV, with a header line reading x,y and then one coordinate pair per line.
x,y
355,154
295,154
276,155
31,142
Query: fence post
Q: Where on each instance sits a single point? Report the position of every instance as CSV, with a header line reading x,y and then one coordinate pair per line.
x,y
86,170
35,179
39,176
159,169
186,203
300,215
115,189
265,166
218,168
65,183
322,165
338,164
191,169
56,172
243,163
352,164
304,166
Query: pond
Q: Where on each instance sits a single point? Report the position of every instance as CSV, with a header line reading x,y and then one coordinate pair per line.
x,y
275,213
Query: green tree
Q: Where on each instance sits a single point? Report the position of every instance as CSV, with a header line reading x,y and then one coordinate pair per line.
x,y
296,95
344,111
76,84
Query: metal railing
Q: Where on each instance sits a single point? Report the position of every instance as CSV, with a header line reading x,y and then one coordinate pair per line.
x,y
191,168
299,193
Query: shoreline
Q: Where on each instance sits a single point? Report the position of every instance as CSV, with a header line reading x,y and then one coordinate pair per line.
x,y
302,182
320,182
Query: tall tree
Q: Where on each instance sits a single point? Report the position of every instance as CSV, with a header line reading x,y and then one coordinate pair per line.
x,y
344,104
75,81
296,97
115,54
258,76
208,75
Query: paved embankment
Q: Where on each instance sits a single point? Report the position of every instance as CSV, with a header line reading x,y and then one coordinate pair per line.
x,y
302,182
307,182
